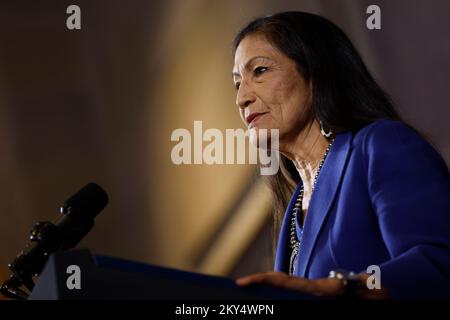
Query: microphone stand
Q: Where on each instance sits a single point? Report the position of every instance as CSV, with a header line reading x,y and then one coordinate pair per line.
x,y
30,261
75,222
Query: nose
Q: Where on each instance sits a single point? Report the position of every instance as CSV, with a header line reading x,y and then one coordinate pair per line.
x,y
245,96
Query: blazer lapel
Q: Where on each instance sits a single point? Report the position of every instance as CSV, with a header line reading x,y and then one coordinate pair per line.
x,y
327,184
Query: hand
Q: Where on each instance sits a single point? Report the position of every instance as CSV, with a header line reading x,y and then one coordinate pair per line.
x,y
319,287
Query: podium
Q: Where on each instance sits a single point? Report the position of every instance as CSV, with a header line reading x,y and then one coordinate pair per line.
x,y
108,278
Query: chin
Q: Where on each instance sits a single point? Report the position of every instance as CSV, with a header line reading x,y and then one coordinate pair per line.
x,y
261,137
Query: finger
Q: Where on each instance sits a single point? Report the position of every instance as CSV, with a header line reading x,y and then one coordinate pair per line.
x,y
259,278
290,282
278,279
327,287
319,287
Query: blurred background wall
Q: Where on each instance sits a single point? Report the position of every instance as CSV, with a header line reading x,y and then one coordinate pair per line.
x,y
100,104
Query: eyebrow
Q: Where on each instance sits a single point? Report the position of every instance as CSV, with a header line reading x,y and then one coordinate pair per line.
x,y
248,63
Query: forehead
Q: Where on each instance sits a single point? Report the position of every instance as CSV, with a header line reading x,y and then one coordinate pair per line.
x,y
252,46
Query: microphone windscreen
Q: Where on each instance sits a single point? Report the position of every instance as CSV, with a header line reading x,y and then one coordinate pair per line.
x,y
87,203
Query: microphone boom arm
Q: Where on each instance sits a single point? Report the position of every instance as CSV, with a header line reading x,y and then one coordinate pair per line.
x,y
75,222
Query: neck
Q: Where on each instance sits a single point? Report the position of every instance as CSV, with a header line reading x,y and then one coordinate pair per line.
x,y
306,150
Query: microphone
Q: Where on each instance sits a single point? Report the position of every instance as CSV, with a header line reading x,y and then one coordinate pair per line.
x,y
76,220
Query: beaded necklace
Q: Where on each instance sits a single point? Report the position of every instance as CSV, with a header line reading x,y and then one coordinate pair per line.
x,y
295,239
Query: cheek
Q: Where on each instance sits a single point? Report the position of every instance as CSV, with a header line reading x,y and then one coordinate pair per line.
x,y
288,103
283,87
282,99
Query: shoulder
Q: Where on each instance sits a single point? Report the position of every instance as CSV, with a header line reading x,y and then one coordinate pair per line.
x,y
392,137
395,146
386,132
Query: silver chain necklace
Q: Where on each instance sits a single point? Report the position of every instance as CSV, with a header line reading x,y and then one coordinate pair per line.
x,y
295,239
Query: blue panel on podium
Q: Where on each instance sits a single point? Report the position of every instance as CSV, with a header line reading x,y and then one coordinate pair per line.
x,y
102,277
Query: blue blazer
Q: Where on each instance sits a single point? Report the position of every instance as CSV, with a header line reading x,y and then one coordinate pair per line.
x,y
382,198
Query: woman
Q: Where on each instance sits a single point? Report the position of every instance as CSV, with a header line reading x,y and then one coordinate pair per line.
x,y
365,189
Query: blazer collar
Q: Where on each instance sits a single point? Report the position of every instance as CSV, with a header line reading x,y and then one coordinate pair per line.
x,y
320,205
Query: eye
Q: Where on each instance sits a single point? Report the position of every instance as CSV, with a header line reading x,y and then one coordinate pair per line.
x,y
237,85
259,71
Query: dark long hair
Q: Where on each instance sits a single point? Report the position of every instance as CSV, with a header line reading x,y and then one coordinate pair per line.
x,y
345,96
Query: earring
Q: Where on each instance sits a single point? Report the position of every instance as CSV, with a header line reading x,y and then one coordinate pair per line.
x,y
325,134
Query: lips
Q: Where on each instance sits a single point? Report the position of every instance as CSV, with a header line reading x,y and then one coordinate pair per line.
x,y
253,117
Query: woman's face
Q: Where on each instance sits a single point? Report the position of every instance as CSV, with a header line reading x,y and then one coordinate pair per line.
x,y
271,93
